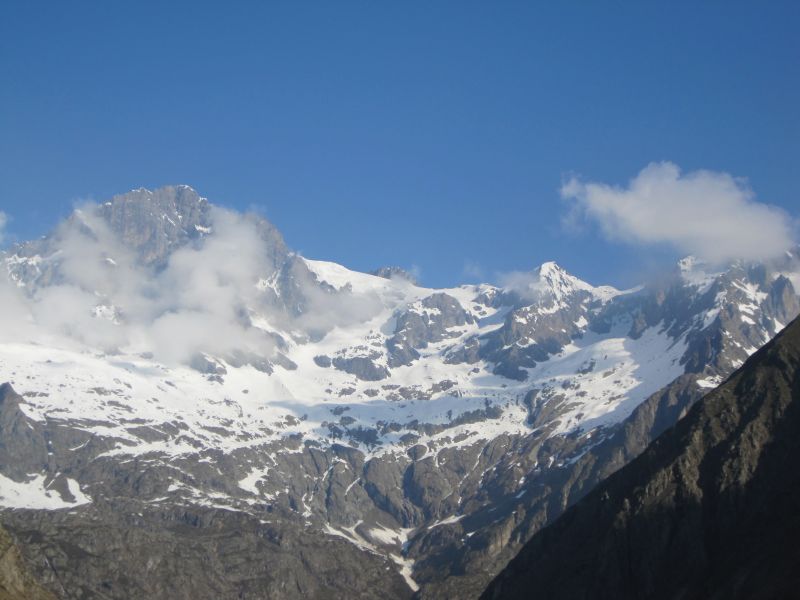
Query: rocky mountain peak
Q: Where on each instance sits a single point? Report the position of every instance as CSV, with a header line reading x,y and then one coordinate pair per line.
x,y
154,221
181,200
553,279
16,582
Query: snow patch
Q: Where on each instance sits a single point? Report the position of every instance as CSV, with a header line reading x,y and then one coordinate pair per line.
x,y
35,494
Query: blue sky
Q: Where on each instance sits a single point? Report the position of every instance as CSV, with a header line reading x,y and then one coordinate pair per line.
x,y
435,135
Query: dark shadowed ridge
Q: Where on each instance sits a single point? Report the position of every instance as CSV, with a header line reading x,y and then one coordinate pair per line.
x,y
710,510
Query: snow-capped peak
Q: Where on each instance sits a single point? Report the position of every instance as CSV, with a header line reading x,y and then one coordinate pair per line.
x,y
550,268
550,282
558,282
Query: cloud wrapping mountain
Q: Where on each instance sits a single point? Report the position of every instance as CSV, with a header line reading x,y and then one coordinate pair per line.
x,y
103,297
199,299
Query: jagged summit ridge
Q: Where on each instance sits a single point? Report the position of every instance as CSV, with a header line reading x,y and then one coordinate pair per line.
x,y
557,278
153,222
549,283
381,338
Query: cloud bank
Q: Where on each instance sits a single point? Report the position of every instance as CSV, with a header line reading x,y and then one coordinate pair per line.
x,y
99,295
711,215
94,293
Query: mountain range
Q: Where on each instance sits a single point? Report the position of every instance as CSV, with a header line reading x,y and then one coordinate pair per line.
x,y
709,510
194,408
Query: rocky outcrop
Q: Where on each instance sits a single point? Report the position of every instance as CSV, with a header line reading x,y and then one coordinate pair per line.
x,y
708,511
394,272
153,223
23,443
430,320
128,550
16,582
549,309
363,367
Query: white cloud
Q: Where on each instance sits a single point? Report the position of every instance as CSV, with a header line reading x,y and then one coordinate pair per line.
x,y
525,284
104,298
16,320
3,223
100,296
711,215
473,270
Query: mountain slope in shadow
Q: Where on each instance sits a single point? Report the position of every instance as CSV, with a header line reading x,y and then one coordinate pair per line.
x,y
710,510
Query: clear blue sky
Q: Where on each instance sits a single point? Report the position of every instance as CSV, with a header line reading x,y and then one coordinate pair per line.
x,y
432,134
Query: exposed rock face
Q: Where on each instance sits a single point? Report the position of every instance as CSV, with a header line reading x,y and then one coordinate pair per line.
x,y
16,583
23,445
181,215
390,272
708,511
545,316
362,367
122,550
431,320
153,224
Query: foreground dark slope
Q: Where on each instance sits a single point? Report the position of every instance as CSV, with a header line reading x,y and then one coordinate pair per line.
x,y
710,510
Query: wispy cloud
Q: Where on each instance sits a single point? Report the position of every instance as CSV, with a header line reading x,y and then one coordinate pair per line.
x,y
712,215
473,270
104,298
202,301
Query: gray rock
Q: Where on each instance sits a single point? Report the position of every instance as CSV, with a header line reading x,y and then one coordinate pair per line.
x,y
322,361
138,551
394,272
206,364
362,367
154,223
417,327
16,582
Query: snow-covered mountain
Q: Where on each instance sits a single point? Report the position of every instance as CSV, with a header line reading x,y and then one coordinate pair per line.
x,y
167,352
